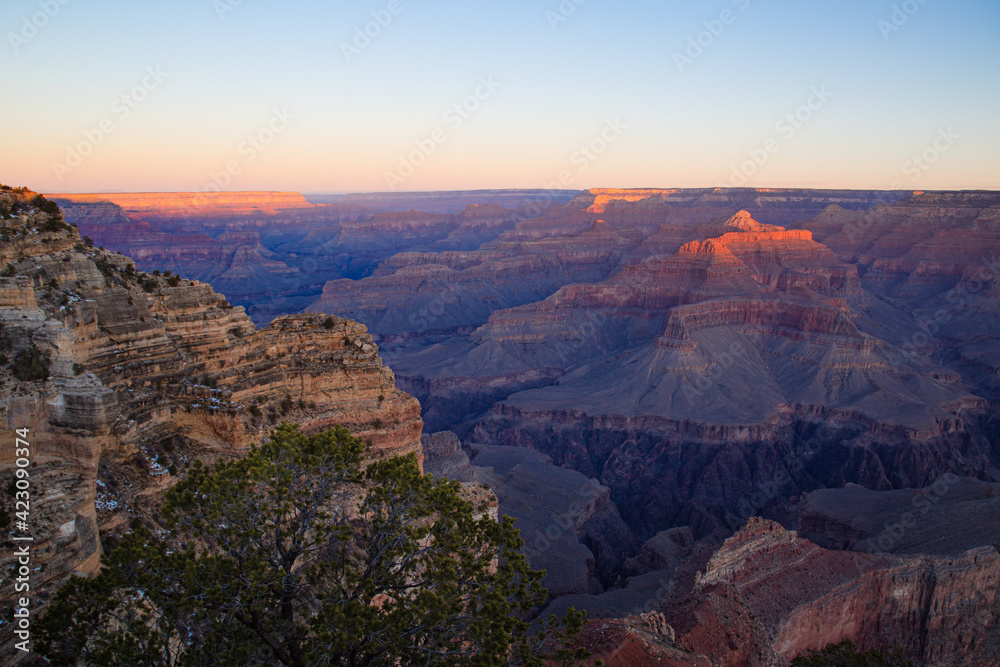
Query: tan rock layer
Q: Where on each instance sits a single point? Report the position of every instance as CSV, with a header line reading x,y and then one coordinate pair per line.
x,y
141,364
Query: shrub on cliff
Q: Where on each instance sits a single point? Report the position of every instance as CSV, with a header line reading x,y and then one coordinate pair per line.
x,y
54,221
31,366
845,654
270,566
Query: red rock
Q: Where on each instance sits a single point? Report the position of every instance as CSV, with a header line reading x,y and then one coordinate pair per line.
x,y
938,610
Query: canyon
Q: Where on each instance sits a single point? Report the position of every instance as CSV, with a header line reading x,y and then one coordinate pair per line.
x,y
272,252
732,424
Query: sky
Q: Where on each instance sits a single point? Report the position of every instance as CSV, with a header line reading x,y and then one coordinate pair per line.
x,y
330,96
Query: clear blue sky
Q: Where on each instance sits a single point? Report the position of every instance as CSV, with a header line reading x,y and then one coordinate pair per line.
x,y
892,95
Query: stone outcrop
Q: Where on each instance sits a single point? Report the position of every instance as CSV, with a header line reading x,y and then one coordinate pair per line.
x,y
637,640
790,596
124,378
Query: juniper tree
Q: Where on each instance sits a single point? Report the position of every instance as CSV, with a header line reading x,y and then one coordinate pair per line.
x,y
298,555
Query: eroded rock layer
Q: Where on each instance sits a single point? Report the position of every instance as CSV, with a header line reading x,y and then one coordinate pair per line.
x,y
796,596
124,378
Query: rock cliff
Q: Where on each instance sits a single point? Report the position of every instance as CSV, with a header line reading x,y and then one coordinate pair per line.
x,y
793,596
124,378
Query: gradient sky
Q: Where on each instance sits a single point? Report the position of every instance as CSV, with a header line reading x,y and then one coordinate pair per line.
x,y
892,94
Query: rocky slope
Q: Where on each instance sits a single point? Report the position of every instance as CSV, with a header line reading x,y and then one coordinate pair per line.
x,y
792,596
903,520
766,595
419,293
571,528
124,378
936,257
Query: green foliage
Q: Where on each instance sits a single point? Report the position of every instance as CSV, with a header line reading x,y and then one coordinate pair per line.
x,y
54,222
272,566
174,281
329,323
845,654
31,366
150,285
78,368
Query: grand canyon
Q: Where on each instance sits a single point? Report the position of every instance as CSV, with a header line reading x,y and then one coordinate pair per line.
x,y
732,424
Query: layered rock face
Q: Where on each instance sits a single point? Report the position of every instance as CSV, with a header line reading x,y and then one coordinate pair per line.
x,y
125,378
766,595
420,293
952,515
936,257
939,610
